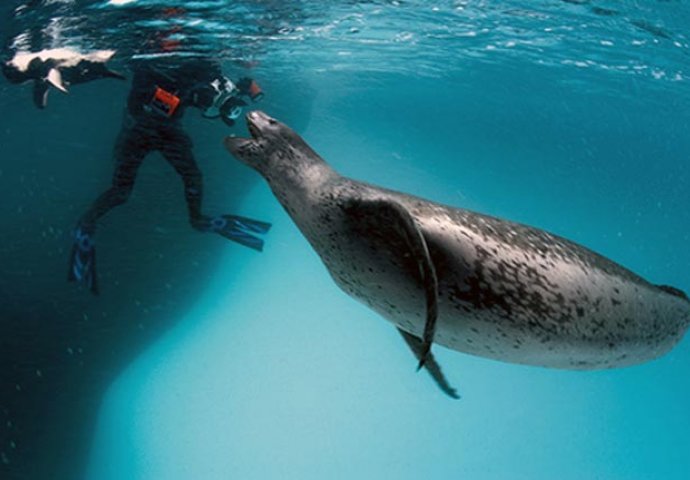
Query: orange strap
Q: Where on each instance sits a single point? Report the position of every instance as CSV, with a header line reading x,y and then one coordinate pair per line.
x,y
165,101
254,89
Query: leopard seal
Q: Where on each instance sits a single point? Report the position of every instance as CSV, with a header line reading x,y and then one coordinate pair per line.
x,y
464,280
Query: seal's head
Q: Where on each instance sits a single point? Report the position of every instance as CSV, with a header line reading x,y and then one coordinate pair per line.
x,y
273,146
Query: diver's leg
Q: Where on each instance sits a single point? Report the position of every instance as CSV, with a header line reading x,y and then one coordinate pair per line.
x,y
177,150
130,149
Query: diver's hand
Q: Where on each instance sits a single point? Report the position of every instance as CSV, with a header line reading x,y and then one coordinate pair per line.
x,y
248,87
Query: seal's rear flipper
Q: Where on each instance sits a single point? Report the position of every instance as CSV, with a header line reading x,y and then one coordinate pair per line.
x,y
430,364
392,227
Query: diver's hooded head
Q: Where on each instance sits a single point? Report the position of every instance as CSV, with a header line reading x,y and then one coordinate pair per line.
x,y
273,148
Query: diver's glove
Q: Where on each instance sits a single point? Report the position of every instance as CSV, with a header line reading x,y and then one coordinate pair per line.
x,y
82,263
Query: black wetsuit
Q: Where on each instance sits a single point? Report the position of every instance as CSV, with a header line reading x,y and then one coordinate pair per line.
x,y
147,128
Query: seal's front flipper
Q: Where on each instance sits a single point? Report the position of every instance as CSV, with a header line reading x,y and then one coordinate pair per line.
x,y
241,230
391,226
82,262
55,79
430,364
42,85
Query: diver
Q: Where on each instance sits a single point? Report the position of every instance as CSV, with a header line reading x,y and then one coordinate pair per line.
x,y
161,91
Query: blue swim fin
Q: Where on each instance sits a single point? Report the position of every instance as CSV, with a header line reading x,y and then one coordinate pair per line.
x,y
82,263
241,230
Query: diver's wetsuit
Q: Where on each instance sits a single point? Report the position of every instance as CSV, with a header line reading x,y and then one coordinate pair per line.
x,y
146,128
161,91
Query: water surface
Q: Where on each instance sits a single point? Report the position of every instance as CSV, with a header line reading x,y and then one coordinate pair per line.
x,y
202,359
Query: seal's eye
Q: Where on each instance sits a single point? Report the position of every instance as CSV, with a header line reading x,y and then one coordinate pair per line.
x,y
272,122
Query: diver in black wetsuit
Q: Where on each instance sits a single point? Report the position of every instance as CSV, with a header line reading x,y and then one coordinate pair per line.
x,y
161,91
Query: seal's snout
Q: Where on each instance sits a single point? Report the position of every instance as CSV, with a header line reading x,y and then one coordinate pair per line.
x,y
258,116
255,115
258,123
263,129
253,126
237,145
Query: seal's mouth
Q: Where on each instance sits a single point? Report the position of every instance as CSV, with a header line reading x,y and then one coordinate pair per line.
x,y
236,145
254,130
257,124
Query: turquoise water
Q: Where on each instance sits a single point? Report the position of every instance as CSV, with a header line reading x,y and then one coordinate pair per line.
x,y
204,360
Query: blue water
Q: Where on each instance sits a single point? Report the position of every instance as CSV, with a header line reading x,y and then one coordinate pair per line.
x,y
205,360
